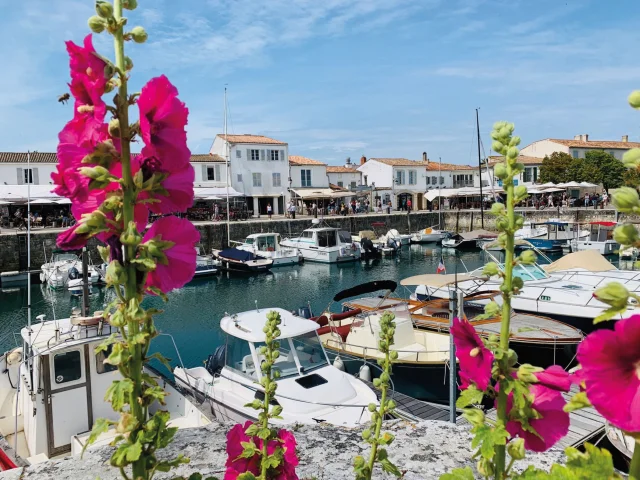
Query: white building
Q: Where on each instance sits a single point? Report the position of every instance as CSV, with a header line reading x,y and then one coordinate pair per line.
x,y
528,178
307,173
578,147
259,169
14,171
211,170
410,179
345,177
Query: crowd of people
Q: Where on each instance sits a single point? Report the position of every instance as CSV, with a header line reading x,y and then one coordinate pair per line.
x,y
18,218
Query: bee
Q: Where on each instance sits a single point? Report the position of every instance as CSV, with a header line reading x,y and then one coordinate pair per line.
x,y
64,98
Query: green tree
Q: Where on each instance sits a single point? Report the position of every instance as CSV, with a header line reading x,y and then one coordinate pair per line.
x,y
602,167
556,168
631,177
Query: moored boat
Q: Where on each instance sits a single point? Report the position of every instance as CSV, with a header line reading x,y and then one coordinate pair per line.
x,y
558,234
429,235
324,245
600,239
468,240
310,389
267,245
63,267
240,261
205,265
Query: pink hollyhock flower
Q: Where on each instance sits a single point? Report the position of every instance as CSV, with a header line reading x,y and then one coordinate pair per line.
x,y
178,184
237,466
70,240
610,361
553,424
475,359
554,377
181,256
163,118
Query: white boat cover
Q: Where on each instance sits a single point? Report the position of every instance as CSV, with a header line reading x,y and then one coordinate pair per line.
x,y
590,260
475,234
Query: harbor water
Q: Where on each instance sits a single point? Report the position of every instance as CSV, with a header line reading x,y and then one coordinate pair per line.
x,y
192,315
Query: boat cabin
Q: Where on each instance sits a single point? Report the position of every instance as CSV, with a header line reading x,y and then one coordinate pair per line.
x,y
264,242
54,386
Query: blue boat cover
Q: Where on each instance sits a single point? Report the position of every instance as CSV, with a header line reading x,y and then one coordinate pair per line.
x,y
236,254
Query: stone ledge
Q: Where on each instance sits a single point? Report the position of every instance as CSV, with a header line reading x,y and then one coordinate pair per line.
x,y
425,451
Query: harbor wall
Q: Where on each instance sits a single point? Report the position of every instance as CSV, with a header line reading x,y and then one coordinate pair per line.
x,y
13,250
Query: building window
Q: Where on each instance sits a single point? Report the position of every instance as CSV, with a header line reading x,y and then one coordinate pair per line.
x,y
428,180
341,184
257,179
530,174
67,367
441,180
434,180
462,181
276,179
28,175
274,155
255,155
353,185
612,153
305,178
575,154
239,178
413,177
400,177
238,153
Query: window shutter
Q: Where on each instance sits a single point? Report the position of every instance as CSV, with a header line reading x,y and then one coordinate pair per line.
x,y
204,173
218,176
282,155
35,179
261,154
249,154
268,155
20,176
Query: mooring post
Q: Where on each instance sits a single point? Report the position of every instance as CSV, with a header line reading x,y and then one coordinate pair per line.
x,y
453,298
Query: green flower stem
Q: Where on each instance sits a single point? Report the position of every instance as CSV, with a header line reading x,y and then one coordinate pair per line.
x,y
376,434
139,470
634,468
507,291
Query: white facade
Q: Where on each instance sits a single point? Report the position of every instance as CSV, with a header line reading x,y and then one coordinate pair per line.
x,y
578,147
18,174
259,169
307,176
210,171
349,178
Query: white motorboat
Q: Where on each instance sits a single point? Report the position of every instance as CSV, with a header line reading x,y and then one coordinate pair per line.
x,y
63,267
468,240
562,290
402,238
267,245
528,231
205,265
325,245
53,390
310,389
600,239
623,442
429,235
559,233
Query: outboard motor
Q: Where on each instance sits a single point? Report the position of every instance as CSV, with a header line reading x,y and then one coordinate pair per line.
x,y
215,361
74,274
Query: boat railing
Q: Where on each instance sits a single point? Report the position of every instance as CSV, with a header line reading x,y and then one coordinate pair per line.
x,y
419,355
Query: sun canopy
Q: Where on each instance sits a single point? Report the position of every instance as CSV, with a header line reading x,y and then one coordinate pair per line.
x,y
319,193
604,224
590,260
570,185
42,201
437,280
363,288
552,190
588,185
461,192
204,192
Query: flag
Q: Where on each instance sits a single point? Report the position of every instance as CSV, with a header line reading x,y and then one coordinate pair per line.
x,y
441,268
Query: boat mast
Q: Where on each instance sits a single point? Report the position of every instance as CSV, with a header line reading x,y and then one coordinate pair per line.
x,y
226,152
480,171
439,197
29,178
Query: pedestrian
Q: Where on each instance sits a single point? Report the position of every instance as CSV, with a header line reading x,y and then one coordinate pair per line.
x,y
408,206
216,212
605,199
550,201
269,212
358,205
292,211
586,200
379,206
314,209
343,210
353,206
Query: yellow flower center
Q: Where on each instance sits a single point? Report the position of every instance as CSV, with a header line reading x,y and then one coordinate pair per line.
x,y
475,352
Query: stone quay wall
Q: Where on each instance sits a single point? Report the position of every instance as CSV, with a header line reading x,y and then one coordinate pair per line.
x,y
13,251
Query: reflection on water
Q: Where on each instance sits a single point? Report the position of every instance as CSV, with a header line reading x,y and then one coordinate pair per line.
x,y
193,313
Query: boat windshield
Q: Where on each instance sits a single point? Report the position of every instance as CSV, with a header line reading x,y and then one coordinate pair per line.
x,y
249,241
327,238
309,351
345,237
65,257
528,272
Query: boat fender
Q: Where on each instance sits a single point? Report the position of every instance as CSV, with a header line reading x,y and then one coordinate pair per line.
x,y
14,356
365,373
338,363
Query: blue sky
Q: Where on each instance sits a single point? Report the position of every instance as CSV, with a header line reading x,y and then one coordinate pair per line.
x,y
338,78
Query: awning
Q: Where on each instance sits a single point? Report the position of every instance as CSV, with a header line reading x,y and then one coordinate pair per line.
x,y
461,192
204,192
553,189
21,192
319,193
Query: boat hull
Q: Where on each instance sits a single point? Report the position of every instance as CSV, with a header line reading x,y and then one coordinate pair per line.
x,y
466,245
328,256
546,245
427,237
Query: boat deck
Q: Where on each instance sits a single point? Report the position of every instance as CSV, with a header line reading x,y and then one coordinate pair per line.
x,y
416,410
585,424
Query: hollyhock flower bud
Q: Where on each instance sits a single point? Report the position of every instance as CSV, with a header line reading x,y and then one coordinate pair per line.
x,y
515,449
515,141
96,24
104,9
634,99
528,257
131,236
517,168
485,467
631,158
626,200
128,63
474,416
626,234
496,146
500,171
498,208
139,34
614,294
130,4
116,273
520,192
490,269
491,309
114,127
513,152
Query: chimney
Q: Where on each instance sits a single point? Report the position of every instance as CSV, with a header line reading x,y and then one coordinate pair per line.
x,y
577,137
625,138
585,137
363,160
424,157
347,162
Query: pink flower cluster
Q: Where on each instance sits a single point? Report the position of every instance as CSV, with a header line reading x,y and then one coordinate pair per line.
x,y
85,142
237,466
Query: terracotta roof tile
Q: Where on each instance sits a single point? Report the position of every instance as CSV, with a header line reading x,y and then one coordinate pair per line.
x,y
300,160
206,158
247,138
521,159
435,166
400,162
340,169
596,144
21,157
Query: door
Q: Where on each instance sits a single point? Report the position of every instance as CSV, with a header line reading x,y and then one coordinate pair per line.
x,y
419,202
68,392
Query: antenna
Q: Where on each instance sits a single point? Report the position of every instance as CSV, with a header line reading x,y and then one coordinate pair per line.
x,y
257,309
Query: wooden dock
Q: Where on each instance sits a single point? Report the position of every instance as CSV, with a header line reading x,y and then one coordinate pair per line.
x,y
415,410
584,426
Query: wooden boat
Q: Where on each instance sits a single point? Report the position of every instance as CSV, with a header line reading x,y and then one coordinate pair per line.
x,y
421,369
240,261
